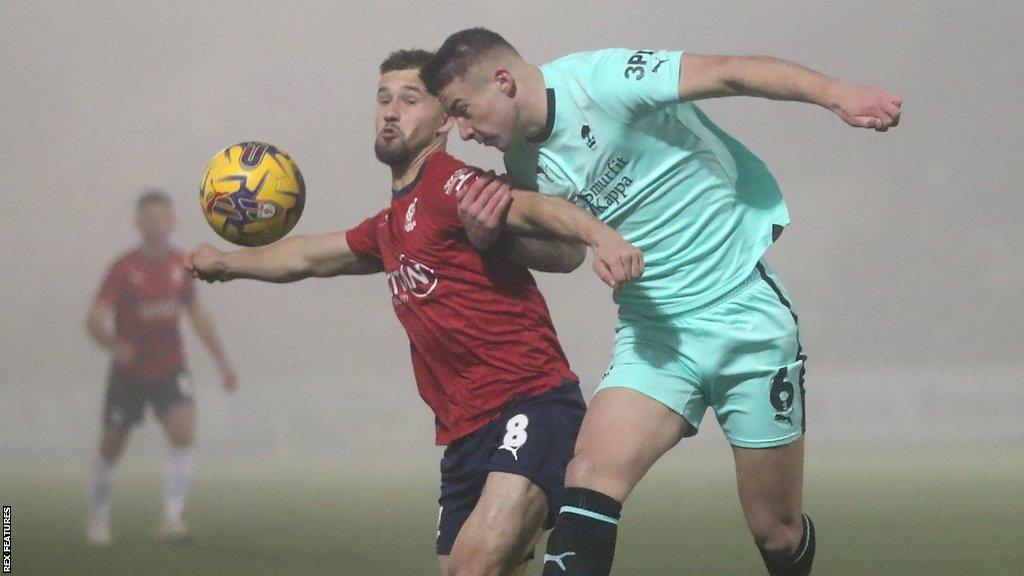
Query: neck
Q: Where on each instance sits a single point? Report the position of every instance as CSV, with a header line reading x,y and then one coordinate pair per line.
x,y
403,174
533,109
154,250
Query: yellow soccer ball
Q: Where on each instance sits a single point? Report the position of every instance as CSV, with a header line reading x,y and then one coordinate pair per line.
x,y
252,194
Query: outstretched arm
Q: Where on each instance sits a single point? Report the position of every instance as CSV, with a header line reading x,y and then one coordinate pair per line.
x,y
286,260
703,77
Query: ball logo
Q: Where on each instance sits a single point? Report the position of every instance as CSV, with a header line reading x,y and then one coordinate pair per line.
x,y
267,210
252,154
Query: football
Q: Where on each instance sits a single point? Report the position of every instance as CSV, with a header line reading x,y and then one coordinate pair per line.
x,y
252,193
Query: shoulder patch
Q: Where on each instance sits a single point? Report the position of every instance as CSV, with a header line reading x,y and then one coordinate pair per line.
x,y
458,178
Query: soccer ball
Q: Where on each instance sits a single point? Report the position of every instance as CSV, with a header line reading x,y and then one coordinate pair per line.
x,y
252,194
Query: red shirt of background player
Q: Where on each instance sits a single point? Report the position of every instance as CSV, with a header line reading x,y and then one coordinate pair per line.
x,y
146,296
479,329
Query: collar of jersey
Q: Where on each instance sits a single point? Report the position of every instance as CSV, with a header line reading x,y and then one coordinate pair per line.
x,y
549,126
396,194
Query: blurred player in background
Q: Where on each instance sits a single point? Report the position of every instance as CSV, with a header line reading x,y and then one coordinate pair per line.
x,y
135,318
709,323
484,351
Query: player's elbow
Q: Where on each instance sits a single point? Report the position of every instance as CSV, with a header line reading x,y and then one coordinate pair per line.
x,y
573,257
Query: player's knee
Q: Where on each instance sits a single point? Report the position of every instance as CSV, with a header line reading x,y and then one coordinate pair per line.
x,y
587,471
474,565
483,557
778,536
181,432
112,445
580,470
182,438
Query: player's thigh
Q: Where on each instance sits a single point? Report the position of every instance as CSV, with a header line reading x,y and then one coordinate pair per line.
x,y
123,404
500,533
623,435
172,401
770,483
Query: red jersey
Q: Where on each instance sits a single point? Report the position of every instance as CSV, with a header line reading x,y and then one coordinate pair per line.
x,y
147,295
479,329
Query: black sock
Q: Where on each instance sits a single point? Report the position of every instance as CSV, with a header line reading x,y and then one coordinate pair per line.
x,y
583,541
799,564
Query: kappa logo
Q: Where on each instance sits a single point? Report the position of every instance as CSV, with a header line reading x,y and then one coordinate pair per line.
x,y
559,559
410,216
588,136
658,65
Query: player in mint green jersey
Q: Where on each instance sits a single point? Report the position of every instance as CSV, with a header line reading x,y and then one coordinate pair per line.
x,y
708,324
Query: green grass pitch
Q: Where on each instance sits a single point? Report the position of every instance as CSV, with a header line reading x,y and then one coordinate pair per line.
x,y
925,513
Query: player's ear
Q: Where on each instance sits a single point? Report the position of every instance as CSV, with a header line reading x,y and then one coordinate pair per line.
x,y
506,82
446,126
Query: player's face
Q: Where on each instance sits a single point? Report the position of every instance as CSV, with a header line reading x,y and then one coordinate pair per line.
x,y
482,105
156,223
408,118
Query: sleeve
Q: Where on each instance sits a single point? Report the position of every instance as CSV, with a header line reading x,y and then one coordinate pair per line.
x,y
363,238
112,286
626,82
445,211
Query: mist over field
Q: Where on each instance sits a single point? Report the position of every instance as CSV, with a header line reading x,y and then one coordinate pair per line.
x,y
905,256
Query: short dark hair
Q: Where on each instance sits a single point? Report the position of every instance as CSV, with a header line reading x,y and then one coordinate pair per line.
x,y
405,60
458,53
151,196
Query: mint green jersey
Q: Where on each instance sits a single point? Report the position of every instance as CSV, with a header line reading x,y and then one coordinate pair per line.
x,y
700,206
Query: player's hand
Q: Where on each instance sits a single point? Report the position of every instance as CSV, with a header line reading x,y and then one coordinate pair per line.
x,y
615,260
865,106
203,263
123,353
483,207
228,379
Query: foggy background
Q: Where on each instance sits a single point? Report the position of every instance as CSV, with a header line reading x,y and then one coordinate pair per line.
x,y
904,257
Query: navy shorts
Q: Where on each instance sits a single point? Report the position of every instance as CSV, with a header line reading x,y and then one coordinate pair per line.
x,y
534,438
126,397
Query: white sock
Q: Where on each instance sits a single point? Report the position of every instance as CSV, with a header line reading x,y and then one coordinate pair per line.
x,y
101,483
181,468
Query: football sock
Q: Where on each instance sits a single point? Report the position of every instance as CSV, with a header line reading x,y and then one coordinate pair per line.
x,y
799,563
101,483
583,541
181,467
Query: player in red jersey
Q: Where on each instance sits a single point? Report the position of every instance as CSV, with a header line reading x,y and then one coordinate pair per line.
x,y
484,351
135,318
